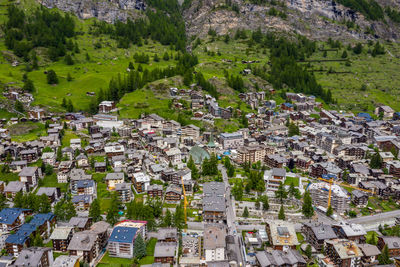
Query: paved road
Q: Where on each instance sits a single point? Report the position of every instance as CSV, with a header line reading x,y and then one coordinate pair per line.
x,y
231,219
372,222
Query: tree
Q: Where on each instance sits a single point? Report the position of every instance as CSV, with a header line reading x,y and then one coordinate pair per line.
x,y
293,129
94,210
3,201
281,214
52,77
28,86
308,251
237,190
307,209
167,220
358,49
69,60
64,210
344,54
265,203
166,56
38,240
281,193
69,77
245,212
44,204
139,250
372,239
329,211
384,257
376,161
112,213
292,190
18,200
19,106
258,204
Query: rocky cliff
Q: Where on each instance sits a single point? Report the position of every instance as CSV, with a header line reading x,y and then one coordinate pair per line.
x,y
107,10
316,19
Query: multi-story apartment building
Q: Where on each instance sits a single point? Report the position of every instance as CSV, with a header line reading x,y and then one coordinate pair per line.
x,y
214,205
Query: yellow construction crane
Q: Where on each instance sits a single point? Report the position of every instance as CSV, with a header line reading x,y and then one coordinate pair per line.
x,y
331,181
184,200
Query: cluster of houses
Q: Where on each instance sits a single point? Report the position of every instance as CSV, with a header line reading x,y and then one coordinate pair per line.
x,y
148,156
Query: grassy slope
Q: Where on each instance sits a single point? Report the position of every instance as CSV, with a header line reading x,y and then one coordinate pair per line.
x,y
379,74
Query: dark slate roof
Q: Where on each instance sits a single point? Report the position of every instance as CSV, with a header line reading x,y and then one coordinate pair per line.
x,y
80,198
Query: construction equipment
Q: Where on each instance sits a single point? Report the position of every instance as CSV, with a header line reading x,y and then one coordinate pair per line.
x,y
184,200
331,181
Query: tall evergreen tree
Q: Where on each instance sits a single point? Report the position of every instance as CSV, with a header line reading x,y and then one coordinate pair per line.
x,y
281,214
94,210
139,249
307,209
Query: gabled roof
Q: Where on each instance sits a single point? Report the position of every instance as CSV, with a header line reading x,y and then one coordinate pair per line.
x,y
9,215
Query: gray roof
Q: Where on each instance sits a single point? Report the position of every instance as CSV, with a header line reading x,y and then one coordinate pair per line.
x,y
14,186
369,250
393,242
278,172
115,176
28,171
277,258
214,236
48,191
322,231
83,241
100,227
61,233
164,249
31,256
65,261
168,232
123,186
79,222
214,197
358,193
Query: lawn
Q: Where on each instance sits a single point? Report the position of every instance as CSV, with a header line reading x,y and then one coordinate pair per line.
x,y
290,180
300,237
112,261
368,236
51,181
27,131
8,177
68,135
58,254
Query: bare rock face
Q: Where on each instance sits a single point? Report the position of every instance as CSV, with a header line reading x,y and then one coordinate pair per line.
x,y
107,10
316,19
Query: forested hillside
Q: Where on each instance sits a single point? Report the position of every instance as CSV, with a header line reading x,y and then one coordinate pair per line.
x,y
70,64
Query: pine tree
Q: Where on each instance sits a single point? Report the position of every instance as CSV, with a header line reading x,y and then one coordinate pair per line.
x,y
112,213
329,211
18,200
307,209
166,56
167,221
44,204
376,161
308,251
28,86
38,241
139,249
281,214
384,257
19,106
245,212
281,193
265,203
344,54
52,77
94,210
69,77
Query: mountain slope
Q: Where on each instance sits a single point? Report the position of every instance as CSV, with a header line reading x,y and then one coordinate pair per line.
x,y
318,20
